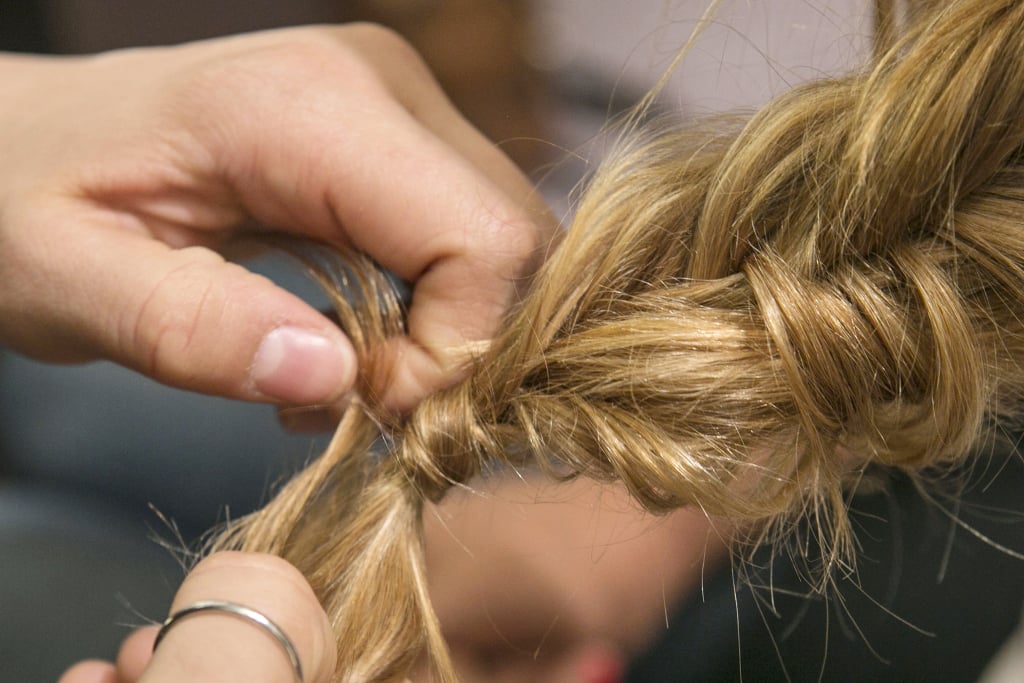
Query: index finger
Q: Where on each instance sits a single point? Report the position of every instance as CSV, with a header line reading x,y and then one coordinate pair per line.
x,y
369,152
216,647
477,252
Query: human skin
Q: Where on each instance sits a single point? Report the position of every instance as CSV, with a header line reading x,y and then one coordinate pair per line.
x,y
541,581
218,647
532,581
124,173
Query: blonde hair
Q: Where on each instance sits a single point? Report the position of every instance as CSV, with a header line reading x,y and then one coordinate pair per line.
x,y
742,317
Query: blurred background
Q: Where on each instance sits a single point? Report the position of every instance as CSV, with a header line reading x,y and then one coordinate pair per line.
x,y
96,462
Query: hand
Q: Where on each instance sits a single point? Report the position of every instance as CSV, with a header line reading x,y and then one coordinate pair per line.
x,y
218,648
121,175
540,582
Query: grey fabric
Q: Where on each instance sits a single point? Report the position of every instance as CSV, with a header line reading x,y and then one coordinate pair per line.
x,y
109,432
76,574
105,430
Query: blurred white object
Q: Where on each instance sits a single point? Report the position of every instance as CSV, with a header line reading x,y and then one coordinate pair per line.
x,y
752,50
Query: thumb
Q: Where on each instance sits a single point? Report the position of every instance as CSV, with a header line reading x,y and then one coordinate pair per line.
x,y
188,318
195,321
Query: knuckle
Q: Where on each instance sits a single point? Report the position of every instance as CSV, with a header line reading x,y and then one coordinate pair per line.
x,y
511,236
299,71
258,74
170,317
386,49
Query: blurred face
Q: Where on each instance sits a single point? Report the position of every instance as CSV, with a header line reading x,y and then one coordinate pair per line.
x,y
535,581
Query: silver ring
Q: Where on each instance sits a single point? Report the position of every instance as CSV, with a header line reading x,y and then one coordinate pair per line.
x,y
246,613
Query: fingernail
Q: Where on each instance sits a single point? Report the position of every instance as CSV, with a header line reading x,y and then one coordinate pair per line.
x,y
296,365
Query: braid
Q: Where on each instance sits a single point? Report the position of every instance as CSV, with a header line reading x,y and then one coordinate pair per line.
x,y
743,317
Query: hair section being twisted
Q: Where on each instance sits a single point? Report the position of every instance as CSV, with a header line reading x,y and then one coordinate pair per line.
x,y
743,316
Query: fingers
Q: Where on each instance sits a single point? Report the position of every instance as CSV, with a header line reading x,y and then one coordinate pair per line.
x,y
406,180
90,672
426,101
135,654
183,316
212,647
335,133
